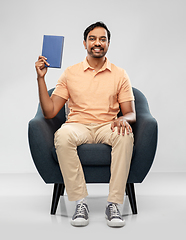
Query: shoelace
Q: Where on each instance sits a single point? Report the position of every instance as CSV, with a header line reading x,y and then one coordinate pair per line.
x,y
114,211
81,209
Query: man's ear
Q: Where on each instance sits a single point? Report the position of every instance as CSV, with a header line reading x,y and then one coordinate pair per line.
x,y
85,45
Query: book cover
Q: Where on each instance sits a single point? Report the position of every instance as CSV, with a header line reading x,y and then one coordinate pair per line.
x,y
53,50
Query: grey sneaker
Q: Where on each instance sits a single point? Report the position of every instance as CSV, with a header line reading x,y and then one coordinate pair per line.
x,y
113,216
80,217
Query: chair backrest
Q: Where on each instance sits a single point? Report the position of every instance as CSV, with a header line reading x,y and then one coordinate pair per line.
x,y
141,103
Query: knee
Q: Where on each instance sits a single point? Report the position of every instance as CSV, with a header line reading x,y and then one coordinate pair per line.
x,y
126,138
63,136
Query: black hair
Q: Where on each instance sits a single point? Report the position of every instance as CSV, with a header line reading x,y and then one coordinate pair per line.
x,y
94,25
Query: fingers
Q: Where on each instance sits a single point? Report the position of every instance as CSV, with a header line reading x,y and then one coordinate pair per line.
x,y
121,126
112,126
41,62
40,66
128,127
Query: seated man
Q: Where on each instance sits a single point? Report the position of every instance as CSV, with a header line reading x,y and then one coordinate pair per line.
x,y
95,89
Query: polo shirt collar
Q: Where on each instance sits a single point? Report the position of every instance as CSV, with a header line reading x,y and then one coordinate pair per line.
x,y
107,65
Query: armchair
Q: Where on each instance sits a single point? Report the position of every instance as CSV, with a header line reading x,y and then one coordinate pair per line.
x,y
95,158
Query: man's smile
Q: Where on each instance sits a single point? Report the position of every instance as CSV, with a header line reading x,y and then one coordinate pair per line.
x,y
96,49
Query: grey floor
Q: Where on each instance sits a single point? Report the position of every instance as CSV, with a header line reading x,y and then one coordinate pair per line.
x,y
25,210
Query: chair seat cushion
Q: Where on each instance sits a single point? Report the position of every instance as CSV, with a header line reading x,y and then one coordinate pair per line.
x,y
92,154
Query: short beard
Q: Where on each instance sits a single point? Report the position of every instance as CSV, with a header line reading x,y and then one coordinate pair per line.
x,y
96,56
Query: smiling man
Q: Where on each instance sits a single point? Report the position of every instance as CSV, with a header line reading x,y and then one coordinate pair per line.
x,y
97,44
96,90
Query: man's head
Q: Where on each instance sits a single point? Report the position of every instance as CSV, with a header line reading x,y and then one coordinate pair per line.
x,y
96,40
95,25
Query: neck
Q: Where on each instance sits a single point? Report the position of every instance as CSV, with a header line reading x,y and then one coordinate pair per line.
x,y
96,63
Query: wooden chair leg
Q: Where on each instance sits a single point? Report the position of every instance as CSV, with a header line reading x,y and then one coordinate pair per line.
x,y
132,198
58,190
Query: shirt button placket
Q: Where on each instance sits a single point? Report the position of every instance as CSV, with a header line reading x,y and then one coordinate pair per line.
x,y
94,74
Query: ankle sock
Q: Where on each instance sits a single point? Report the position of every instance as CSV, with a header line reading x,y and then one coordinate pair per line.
x,y
113,202
81,200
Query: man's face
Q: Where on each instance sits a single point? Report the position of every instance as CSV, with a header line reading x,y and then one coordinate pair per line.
x,y
97,42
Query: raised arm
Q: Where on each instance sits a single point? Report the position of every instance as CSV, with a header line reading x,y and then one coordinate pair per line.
x,y
49,105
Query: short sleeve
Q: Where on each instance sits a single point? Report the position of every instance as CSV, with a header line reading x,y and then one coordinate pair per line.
x,y
125,92
61,89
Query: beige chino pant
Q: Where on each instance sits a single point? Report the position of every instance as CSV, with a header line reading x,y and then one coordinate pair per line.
x,y
71,135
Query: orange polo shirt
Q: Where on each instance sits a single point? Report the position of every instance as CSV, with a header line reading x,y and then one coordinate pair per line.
x,y
94,97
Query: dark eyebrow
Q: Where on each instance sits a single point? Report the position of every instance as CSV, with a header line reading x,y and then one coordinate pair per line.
x,y
95,36
103,37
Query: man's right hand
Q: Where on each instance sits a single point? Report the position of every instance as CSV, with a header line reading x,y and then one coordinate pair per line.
x,y
41,69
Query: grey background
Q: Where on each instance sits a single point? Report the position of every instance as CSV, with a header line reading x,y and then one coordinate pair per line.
x,y
148,40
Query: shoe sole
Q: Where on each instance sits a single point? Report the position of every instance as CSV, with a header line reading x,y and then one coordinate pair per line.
x,y
79,223
115,222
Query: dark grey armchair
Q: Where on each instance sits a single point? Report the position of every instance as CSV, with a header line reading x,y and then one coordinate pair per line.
x,y
95,158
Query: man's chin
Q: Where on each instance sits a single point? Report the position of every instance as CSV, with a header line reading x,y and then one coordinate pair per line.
x,y
98,55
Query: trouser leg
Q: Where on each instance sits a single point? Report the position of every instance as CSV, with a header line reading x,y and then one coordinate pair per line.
x,y
122,148
66,140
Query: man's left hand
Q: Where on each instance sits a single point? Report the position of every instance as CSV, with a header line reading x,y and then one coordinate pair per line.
x,y
121,124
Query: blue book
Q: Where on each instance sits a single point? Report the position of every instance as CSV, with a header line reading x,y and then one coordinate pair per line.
x,y
53,50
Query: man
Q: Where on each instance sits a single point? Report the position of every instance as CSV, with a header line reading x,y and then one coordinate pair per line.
x,y
95,89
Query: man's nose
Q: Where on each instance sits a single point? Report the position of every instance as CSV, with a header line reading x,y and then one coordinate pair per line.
x,y
97,42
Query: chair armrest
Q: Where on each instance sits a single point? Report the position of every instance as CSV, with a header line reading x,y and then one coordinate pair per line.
x,y
41,140
145,141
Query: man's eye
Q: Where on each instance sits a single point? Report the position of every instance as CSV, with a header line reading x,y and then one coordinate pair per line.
x,y
91,39
103,40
